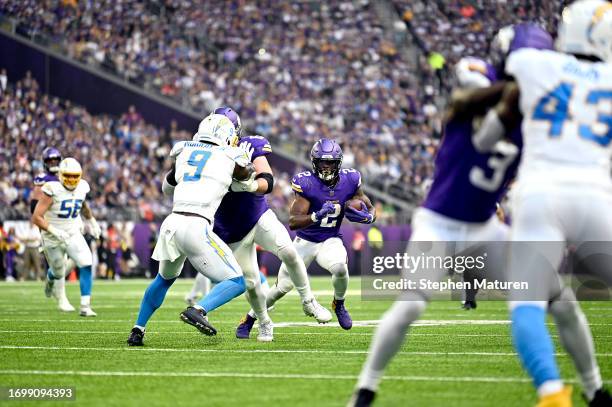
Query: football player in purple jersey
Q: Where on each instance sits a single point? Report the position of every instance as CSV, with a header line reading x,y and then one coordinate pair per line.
x,y
461,204
316,213
244,220
51,158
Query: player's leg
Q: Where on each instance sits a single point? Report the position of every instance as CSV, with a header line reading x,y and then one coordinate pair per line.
x,y
78,250
246,256
273,237
200,288
333,258
534,257
55,279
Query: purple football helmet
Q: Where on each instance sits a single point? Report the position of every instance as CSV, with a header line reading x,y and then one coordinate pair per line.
x,y
232,115
51,158
513,37
326,157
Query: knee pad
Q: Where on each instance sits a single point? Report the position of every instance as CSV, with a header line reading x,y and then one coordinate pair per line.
x,y
339,270
284,285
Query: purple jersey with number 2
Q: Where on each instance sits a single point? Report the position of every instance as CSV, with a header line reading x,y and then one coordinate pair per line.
x,y
41,179
239,212
309,186
468,184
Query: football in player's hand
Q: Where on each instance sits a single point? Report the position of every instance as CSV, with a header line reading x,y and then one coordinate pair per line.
x,y
354,203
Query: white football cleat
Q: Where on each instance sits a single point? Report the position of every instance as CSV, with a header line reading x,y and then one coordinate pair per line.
x,y
266,331
64,305
87,312
313,309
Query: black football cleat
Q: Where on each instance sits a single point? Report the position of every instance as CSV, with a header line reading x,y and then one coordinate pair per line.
x,y
468,305
136,337
362,398
195,317
602,399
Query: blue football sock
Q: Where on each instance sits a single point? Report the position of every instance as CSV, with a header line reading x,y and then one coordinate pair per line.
x,y
223,292
262,278
153,298
533,343
85,280
50,274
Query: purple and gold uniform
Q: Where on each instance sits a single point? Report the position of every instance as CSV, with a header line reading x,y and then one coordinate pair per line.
x,y
309,186
239,212
42,178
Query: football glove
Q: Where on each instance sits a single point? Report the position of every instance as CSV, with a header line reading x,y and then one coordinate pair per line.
x,y
249,185
248,150
94,228
326,209
359,215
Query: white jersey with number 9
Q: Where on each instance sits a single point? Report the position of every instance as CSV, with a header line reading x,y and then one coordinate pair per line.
x,y
567,118
203,175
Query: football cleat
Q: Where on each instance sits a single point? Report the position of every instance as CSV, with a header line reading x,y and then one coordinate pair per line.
x,y
243,330
602,398
266,331
344,318
87,312
49,292
64,305
313,309
136,337
362,398
468,305
562,398
195,317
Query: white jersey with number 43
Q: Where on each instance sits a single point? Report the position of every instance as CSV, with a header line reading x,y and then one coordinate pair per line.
x,y
64,213
567,117
203,175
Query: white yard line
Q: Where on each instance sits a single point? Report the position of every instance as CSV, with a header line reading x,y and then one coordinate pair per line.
x,y
307,351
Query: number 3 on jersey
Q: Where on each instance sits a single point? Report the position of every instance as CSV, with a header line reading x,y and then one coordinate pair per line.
x,y
554,108
197,159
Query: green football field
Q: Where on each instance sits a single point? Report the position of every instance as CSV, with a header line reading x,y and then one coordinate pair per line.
x,y
452,357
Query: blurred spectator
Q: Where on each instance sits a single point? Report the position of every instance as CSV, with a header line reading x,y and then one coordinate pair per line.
x,y
31,238
12,245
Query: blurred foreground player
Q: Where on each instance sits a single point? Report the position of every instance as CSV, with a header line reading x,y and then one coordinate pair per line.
x,y
460,207
57,214
563,191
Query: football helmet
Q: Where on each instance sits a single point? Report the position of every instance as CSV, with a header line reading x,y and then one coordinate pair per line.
x,y
70,173
326,157
232,115
51,158
513,37
474,73
218,130
586,29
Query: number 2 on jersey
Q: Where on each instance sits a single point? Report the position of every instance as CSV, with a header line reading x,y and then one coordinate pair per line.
x,y
559,113
197,159
330,220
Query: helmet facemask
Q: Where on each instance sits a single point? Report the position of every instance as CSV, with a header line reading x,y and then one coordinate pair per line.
x,y
327,169
70,180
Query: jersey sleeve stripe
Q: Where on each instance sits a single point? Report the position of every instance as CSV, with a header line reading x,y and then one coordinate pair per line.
x,y
296,187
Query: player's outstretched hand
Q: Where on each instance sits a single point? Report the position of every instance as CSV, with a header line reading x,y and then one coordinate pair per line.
x,y
248,149
60,234
359,215
94,228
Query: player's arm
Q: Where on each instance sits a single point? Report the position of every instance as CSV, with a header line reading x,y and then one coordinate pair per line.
x,y
467,103
298,213
169,181
35,197
367,213
500,120
38,218
94,228
263,175
243,173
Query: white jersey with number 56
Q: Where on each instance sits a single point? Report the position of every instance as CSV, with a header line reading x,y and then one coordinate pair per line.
x,y
567,117
65,211
203,175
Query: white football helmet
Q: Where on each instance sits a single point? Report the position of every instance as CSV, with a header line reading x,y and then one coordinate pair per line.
x,y
70,173
217,129
586,29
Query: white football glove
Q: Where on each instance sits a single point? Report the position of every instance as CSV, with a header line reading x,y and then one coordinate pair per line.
x,y
249,185
94,228
248,150
61,235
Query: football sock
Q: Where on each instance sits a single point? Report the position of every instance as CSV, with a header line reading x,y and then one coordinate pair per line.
x,y
153,298
50,274
257,300
340,278
535,348
85,280
296,270
222,293
388,339
577,340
